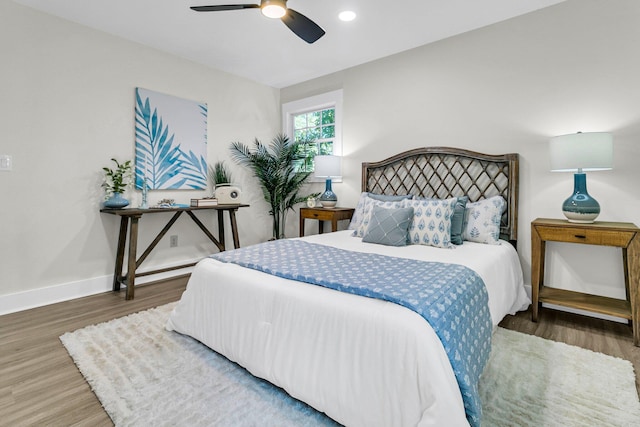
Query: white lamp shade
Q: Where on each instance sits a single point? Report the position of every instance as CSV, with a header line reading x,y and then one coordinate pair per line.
x,y
327,166
590,151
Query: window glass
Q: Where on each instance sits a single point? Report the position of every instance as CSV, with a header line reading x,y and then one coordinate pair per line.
x,y
316,130
315,121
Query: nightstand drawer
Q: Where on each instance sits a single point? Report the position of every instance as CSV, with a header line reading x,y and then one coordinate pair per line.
x,y
587,236
322,215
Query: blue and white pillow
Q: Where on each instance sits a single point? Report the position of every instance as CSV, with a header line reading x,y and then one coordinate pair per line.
x,y
482,221
358,214
369,203
388,226
431,223
457,220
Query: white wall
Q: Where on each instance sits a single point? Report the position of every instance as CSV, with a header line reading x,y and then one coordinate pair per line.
x,y
509,88
66,108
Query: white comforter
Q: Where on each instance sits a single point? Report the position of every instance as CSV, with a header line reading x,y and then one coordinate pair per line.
x,y
362,361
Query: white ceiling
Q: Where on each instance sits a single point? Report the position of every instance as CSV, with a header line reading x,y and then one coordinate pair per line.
x,y
247,44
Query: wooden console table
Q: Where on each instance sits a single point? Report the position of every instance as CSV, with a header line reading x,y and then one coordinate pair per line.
x,y
618,234
133,215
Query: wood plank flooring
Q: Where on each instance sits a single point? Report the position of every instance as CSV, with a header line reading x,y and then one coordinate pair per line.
x,y
40,385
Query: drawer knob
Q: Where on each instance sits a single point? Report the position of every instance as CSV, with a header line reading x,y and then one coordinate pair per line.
x,y
580,236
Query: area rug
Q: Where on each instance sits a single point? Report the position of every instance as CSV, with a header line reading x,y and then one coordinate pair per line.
x,y
144,375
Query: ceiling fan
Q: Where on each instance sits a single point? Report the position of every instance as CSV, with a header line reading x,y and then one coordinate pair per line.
x,y
304,27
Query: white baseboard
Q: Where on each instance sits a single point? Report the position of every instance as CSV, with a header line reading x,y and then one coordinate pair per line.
x,y
20,301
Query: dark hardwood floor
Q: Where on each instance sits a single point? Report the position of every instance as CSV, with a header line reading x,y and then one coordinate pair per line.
x,y
41,386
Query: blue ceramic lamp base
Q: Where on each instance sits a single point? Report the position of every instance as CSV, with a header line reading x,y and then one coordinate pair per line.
x,y
580,207
328,199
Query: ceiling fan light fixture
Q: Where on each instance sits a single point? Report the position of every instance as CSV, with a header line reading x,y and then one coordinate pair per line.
x,y
273,8
301,26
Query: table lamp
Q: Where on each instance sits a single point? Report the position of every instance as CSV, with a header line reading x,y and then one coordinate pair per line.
x,y
578,153
327,167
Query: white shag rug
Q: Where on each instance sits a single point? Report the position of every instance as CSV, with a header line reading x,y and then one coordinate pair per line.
x,y
145,375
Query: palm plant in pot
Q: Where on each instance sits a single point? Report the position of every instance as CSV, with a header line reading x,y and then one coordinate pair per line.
x,y
275,167
116,181
219,175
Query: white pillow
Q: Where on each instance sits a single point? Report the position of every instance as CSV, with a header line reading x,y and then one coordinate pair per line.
x,y
482,221
431,223
369,203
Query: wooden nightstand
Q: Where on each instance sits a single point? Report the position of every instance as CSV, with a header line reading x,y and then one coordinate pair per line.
x,y
624,235
325,214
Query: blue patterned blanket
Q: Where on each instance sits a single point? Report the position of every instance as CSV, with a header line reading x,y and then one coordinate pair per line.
x,y
451,297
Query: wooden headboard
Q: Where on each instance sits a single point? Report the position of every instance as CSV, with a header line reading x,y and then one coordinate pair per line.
x,y
443,172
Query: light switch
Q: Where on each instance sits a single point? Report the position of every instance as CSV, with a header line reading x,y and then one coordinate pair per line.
x,y
6,162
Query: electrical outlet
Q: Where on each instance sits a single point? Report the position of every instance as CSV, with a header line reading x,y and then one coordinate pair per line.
x,y
173,241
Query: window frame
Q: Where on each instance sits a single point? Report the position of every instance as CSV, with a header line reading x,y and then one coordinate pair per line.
x,y
323,101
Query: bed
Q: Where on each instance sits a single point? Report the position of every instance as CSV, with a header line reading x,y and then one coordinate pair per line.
x,y
365,361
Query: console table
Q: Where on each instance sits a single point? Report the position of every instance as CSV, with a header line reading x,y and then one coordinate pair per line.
x,y
129,218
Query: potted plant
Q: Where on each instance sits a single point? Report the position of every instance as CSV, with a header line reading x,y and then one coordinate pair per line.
x,y
116,181
218,175
275,167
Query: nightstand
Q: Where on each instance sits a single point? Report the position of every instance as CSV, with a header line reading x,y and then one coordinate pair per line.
x,y
325,214
623,235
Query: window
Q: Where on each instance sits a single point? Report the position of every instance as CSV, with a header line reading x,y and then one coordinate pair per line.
x,y
317,129
317,121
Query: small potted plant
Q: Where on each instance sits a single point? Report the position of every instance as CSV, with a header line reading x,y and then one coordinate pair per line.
x,y
219,175
116,182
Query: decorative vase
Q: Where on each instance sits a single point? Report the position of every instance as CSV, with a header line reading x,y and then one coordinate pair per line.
x,y
116,201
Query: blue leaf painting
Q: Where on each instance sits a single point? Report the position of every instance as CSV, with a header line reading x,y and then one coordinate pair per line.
x,y
171,142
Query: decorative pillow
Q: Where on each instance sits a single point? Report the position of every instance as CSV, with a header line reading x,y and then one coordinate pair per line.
x,y
369,203
482,223
388,226
358,214
457,220
431,223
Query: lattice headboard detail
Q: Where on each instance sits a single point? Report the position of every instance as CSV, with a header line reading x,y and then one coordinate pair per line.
x,y
444,172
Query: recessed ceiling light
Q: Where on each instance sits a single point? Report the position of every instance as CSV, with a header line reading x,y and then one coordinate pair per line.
x,y
347,15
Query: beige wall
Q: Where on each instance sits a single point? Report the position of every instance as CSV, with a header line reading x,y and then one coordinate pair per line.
x,y
66,108
508,88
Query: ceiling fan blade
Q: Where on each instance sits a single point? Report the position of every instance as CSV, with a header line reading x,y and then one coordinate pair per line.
x,y
225,7
304,27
